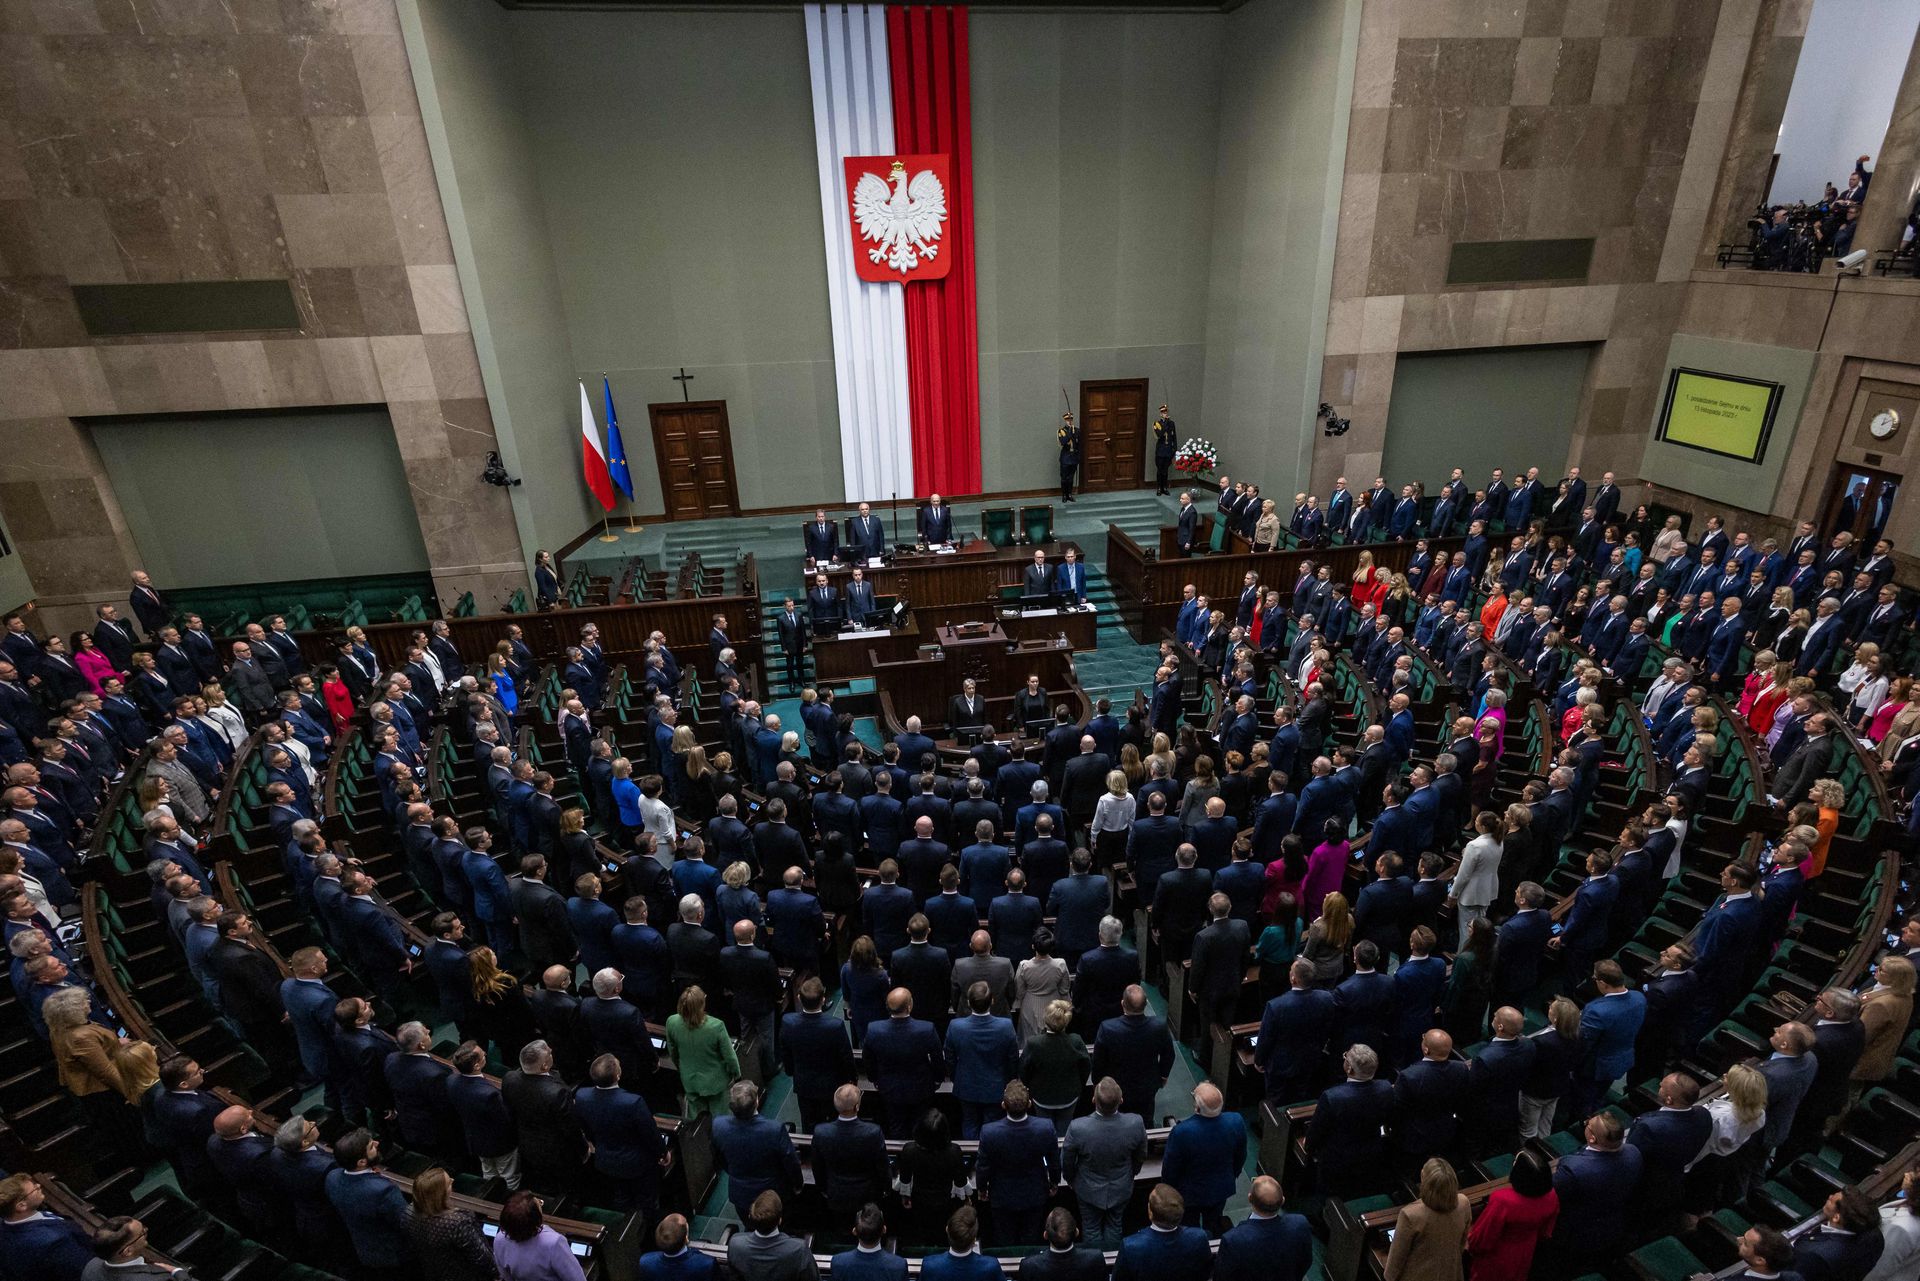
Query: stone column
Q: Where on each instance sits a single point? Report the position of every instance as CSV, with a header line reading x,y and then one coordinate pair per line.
x,y
1896,169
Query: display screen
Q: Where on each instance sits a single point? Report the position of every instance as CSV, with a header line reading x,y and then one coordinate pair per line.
x,y
1719,413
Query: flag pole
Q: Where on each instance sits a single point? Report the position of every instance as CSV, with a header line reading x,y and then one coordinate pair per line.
x,y
607,535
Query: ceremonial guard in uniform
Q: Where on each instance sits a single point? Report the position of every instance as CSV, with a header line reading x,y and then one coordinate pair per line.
x,y
1069,456
1163,434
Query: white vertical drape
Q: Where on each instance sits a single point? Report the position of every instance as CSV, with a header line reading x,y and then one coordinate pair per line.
x,y
853,116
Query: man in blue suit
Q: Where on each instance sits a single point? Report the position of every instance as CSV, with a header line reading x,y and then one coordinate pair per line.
x,y
1596,1186
754,1150
904,1057
417,1082
1077,902
869,1260
1724,941
627,1148
1519,943
309,1004
1668,1140
492,897
886,908
46,1244
1364,1002
1017,1168
1609,1027
1267,1245
1589,921
1012,918
1070,578
1165,1250
671,1259
1846,1243
1294,1031
373,1209
1345,1136
983,1054
1321,799
1204,1156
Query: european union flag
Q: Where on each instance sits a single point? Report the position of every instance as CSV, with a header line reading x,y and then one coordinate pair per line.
x,y
616,449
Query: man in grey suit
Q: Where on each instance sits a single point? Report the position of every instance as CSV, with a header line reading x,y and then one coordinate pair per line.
x,y
1789,1073
119,1248
980,965
247,683
1103,1152
766,1253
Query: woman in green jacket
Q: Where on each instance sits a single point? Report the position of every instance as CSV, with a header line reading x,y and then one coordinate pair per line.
x,y
703,1052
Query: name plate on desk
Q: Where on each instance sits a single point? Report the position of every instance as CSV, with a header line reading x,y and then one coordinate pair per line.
x,y
874,562
1055,613
945,549
864,632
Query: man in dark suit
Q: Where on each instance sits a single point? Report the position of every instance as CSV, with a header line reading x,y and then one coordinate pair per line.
x,y
1846,1243
418,1084
1294,1031
541,1105
816,1054
794,630
849,1158
556,1017
1066,1258
1187,528
1267,1245
546,937
1345,1138
982,1055
1363,1002
1204,1156
1017,1168
923,969
866,534
935,522
1179,905
628,1150
1668,1140
749,977
1083,782
1596,1186
1430,1100
1219,964
179,1120
822,538
1136,1050
1101,978
373,1210
1519,944
1495,1078
614,1025
904,1058
485,1122
754,1150
249,985
886,908
1838,1040
1165,1250
236,1150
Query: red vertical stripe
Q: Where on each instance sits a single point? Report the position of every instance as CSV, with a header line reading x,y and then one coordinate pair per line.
x,y
927,46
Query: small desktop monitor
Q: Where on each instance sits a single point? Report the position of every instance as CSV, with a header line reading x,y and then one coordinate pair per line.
x,y
969,735
826,627
1040,600
1010,593
1037,729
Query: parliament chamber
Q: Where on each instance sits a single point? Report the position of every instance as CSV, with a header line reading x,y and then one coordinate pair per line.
x,y
1260,640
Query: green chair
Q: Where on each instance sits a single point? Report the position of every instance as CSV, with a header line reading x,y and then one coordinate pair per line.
x,y
1037,524
1219,540
996,526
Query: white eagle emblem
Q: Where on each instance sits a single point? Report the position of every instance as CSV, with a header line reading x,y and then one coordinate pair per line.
x,y
905,222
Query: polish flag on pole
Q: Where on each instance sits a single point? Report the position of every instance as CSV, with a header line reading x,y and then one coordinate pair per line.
x,y
599,480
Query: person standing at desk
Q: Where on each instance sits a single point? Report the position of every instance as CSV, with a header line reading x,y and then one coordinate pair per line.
x,y
936,522
823,538
859,598
1189,530
867,536
1069,456
966,710
1163,438
1038,580
823,602
1070,579
1030,705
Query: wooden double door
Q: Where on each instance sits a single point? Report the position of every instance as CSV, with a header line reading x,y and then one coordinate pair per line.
x,y
1113,433
694,449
